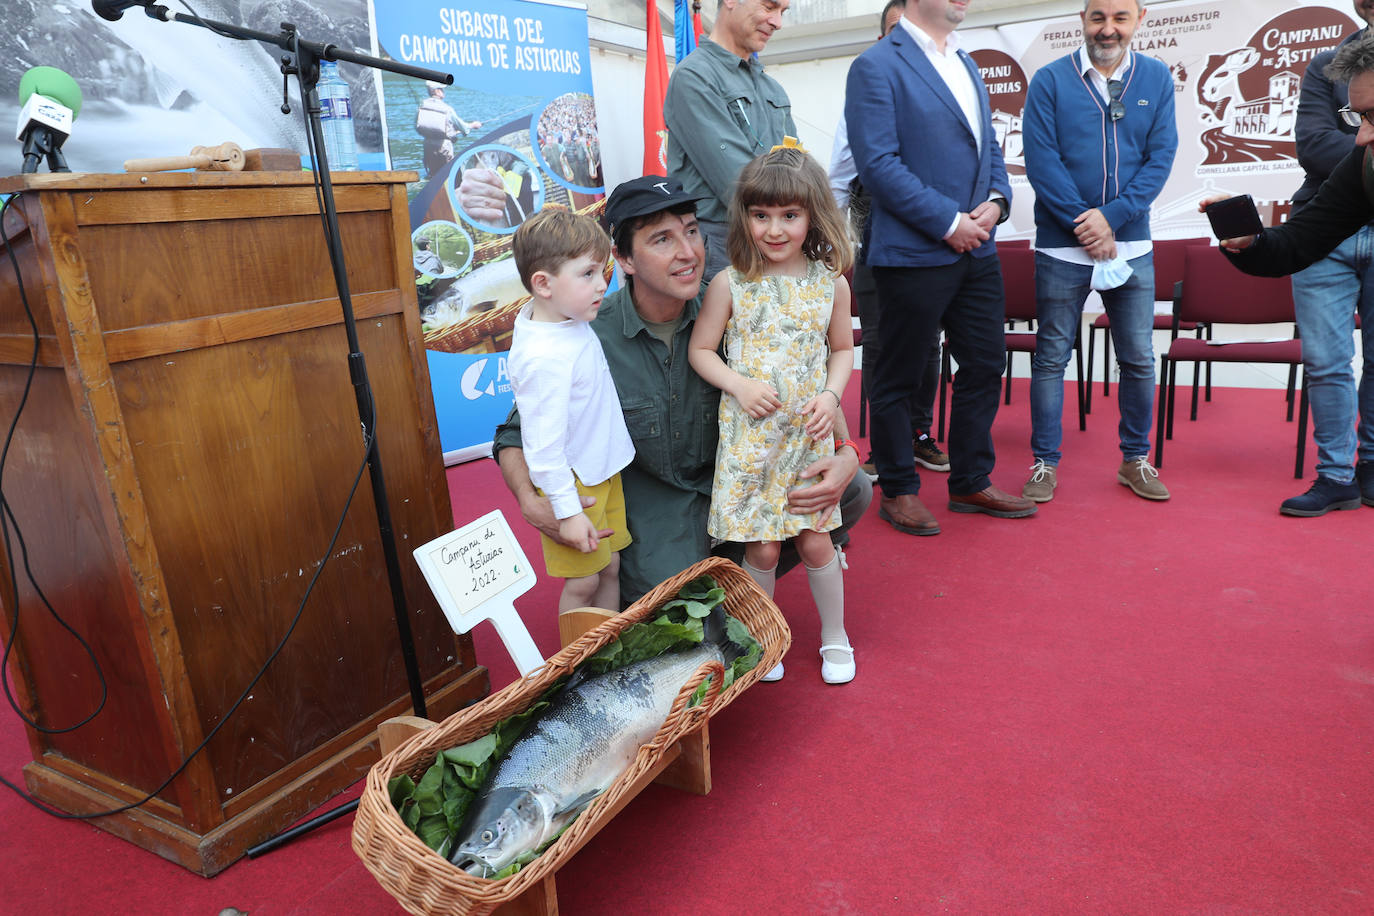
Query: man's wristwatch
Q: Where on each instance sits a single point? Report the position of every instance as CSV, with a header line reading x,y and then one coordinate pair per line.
x,y
841,443
1003,206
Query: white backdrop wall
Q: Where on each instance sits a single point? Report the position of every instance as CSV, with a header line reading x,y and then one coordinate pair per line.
x,y
618,85
1185,34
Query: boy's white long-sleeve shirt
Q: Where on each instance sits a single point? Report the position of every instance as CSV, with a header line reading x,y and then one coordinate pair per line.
x,y
570,418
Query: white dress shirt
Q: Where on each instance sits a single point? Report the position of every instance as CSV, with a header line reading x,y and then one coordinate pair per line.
x,y
570,419
952,70
843,170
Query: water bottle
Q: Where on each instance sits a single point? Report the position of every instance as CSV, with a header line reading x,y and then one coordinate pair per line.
x,y
336,119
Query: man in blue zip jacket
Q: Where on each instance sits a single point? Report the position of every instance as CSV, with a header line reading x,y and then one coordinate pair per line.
x,y
1100,139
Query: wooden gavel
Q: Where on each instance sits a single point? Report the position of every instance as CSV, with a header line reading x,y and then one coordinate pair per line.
x,y
227,157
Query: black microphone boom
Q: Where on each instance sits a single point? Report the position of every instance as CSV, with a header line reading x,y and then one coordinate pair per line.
x,y
113,10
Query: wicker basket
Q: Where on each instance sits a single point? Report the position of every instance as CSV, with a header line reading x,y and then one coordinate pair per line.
x,y
484,332
424,882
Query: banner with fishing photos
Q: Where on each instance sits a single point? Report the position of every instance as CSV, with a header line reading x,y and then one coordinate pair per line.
x,y
515,132
1237,70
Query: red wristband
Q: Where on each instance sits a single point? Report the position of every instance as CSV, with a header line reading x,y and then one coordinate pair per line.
x,y
841,443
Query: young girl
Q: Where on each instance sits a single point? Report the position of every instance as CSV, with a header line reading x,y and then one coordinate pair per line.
x,y
783,310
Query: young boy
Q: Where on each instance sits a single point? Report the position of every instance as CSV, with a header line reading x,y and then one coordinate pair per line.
x,y
569,411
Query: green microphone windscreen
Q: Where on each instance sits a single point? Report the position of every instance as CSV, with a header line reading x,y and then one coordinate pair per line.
x,y
51,82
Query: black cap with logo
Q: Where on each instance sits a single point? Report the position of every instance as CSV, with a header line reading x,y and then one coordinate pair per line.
x,y
642,196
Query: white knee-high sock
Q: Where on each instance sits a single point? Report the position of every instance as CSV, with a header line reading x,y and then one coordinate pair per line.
x,y
827,590
766,578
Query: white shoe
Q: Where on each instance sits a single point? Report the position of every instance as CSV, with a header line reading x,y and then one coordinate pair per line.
x,y
841,673
775,674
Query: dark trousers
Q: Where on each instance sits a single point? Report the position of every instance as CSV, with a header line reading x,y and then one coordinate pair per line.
x,y
923,397
914,302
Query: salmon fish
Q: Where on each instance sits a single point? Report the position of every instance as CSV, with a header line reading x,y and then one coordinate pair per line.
x,y
571,753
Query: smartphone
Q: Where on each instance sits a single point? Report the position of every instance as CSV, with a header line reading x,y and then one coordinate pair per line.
x,y
1234,217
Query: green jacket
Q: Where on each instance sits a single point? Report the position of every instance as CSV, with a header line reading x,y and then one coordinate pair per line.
x,y
721,111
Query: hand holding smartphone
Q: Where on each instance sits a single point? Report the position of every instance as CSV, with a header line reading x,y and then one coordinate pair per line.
x,y
1233,217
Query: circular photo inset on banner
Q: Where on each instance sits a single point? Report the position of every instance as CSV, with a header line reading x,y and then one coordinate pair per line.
x,y
441,249
567,144
495,188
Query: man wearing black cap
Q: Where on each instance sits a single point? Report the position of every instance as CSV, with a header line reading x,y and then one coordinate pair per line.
x,y
670,412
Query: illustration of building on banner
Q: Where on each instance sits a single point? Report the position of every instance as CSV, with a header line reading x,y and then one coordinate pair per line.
x,y
1248,96
516,132
1273,117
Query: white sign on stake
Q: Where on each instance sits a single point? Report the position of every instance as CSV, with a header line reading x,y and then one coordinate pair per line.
x,y
476,573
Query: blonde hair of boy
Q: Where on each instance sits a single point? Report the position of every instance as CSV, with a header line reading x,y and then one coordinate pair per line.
x,y
552,237
788,175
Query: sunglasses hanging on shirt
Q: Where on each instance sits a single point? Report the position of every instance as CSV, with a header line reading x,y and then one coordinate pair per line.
x,y
1117,109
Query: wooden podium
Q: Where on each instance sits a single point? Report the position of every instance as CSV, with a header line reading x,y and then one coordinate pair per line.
x,y
186,450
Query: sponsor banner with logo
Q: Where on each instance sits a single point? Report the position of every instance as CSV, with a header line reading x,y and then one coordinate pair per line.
x,y
1237,71
515,132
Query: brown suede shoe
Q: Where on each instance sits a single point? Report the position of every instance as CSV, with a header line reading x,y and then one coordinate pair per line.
x,y
993,501
1142,478
908,515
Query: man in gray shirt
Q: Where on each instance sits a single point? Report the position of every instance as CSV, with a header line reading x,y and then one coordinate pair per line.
x,y
722,110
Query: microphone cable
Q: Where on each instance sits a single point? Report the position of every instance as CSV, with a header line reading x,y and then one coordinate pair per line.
x,y
8,519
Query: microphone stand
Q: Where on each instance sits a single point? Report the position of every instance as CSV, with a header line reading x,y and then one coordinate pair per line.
x,y
306,68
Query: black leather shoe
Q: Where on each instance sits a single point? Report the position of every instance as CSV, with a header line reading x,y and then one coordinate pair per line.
x,y
1324,495
1364,476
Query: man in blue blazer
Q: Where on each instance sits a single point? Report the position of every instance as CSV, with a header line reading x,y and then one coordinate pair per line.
x,y
920,126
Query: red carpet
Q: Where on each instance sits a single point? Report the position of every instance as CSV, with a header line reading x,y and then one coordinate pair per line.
x,y
1114,706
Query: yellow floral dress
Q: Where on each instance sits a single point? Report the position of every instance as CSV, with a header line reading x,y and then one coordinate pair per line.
x,y
778,334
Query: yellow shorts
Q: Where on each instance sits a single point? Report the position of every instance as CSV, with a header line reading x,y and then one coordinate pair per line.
x,y
608,512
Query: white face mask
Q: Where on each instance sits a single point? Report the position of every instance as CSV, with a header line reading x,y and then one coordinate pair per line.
x,y
1111,274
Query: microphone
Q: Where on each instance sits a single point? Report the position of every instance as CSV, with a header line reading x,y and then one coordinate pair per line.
x,y
51,100
113,10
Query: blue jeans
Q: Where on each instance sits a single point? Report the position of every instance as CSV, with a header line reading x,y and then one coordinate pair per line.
x,y
1326,296
1060,290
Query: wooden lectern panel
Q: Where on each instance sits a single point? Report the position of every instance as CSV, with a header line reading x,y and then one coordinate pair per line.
x,y
188,445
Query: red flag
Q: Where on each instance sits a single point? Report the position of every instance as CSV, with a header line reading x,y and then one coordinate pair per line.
x,y
655,88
